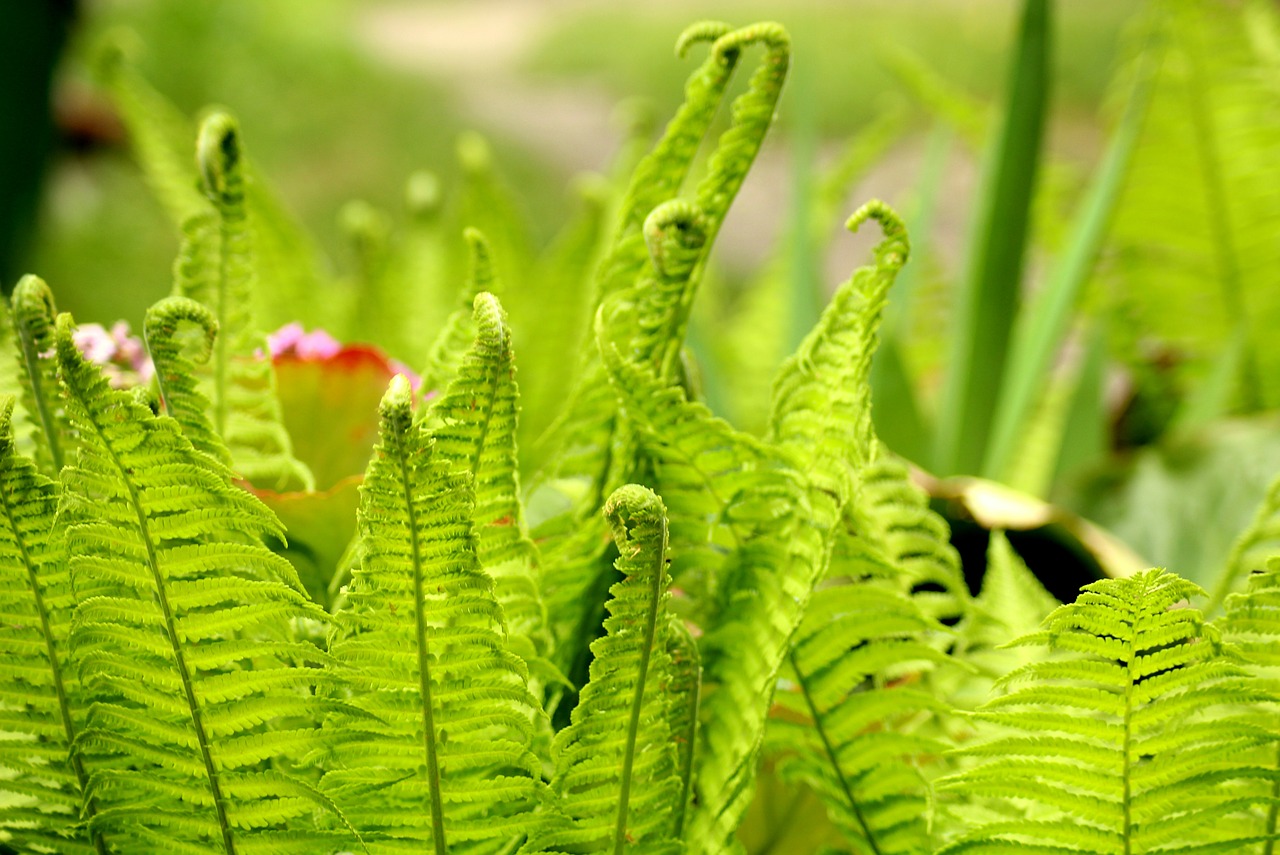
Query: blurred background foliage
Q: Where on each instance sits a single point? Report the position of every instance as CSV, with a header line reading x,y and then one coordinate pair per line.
x,y
1116,364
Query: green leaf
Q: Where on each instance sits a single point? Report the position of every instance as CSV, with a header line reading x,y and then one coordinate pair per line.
x,y
987,301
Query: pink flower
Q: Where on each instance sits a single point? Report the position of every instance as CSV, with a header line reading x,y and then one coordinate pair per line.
x,y
123,358
293,340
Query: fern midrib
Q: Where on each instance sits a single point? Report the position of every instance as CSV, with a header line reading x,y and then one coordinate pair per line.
x,y
829,749
31,361
424,672
55,667
637,700
1127,830
170,628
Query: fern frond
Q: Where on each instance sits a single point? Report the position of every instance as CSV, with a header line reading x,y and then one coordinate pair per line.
x,y
616,772
168,343
1135,739
438,757
33,313
1252,623
474,424
454,340
1252,548
1012,602
215,268
198,695
41,783
12,368
486,203
822,395
744,529
853,716
684,698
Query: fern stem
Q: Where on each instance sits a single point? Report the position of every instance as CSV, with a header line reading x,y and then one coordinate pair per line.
x,y
1127,766
424,673
64,707
831,753
170,628
637,700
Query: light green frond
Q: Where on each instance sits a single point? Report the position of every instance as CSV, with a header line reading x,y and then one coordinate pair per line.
x,y
822,395
196,690
436,756
1012,603
487,203
474,425
1251,550
1135,738
41,784
367,230
616,773
33,312
168,331
454,340
216,268
746,539
854,714
12,369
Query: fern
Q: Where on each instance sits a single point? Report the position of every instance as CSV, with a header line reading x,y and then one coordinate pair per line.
x,y
1132,741
616,771
453,340
215,268
1252,548
1252,623
180,396
12,368
196,694
436,754
475,425
41,782
854,719
33,313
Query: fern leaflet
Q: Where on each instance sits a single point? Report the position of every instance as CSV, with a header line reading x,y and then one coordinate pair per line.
x,y
33,313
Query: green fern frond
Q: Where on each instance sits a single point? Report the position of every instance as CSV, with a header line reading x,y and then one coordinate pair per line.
x,y
822,395
455,338
169,339
41,783
486,203
1012,602
616,773
743,533
33,313
1252,623
215,268
474,424
853,715
12,369
1251,550
438,757
1134,739
197,693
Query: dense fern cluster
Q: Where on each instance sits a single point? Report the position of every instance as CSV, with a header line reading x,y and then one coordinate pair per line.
x,y
606,661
